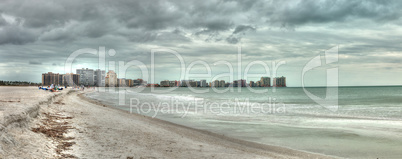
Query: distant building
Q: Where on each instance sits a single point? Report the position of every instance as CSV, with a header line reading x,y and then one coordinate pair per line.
x,y
111,79
239,83
252,84
172,83
121,82
129,82
203,83
215,83
164,83
265,82
279,82
167,83
258,84
222,83
242,83
235,84
51,78
70,79
192,84
186,83
177,83
138,82
86,76
99,77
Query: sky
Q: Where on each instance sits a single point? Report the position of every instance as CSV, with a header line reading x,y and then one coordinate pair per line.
x,y
39,36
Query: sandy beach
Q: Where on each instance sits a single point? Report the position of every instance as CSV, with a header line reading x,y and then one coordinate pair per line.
x,y
65,124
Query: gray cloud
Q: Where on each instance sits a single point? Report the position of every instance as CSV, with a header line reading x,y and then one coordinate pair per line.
x,y
311,11
367,31
16,34
233,40
242,28
35,63
210,18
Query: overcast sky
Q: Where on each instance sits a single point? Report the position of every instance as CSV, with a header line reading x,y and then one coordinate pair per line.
x,y
38,36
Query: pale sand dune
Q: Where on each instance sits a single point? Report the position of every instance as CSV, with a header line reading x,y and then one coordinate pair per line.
x,y
104,132
19,107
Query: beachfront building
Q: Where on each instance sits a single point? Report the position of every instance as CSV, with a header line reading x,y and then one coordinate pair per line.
x,y
242,83
138,82
252,84
192,84
279,82
86,76
222,83
164,83
111,79
172,83
70,79
177,83
235,84
265,82
258,84
186,83
129,82
215,83
51,78
203,83
121,82
99,77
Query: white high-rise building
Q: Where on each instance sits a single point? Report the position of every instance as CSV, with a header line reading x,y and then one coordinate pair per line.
x,y
203,83
100,78
86,76
111,79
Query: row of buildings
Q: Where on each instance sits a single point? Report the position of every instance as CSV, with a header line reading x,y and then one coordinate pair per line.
x,y
263,82
68,79
111,80
89,77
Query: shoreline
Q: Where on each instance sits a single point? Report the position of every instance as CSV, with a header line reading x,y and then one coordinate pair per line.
x,y
240,144
70,125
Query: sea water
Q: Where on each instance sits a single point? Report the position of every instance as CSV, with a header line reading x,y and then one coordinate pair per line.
x,y
366,121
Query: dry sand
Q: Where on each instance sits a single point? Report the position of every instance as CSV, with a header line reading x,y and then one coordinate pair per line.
x,y
91,130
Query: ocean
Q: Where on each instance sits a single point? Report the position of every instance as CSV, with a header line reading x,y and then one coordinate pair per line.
x,y
365,123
